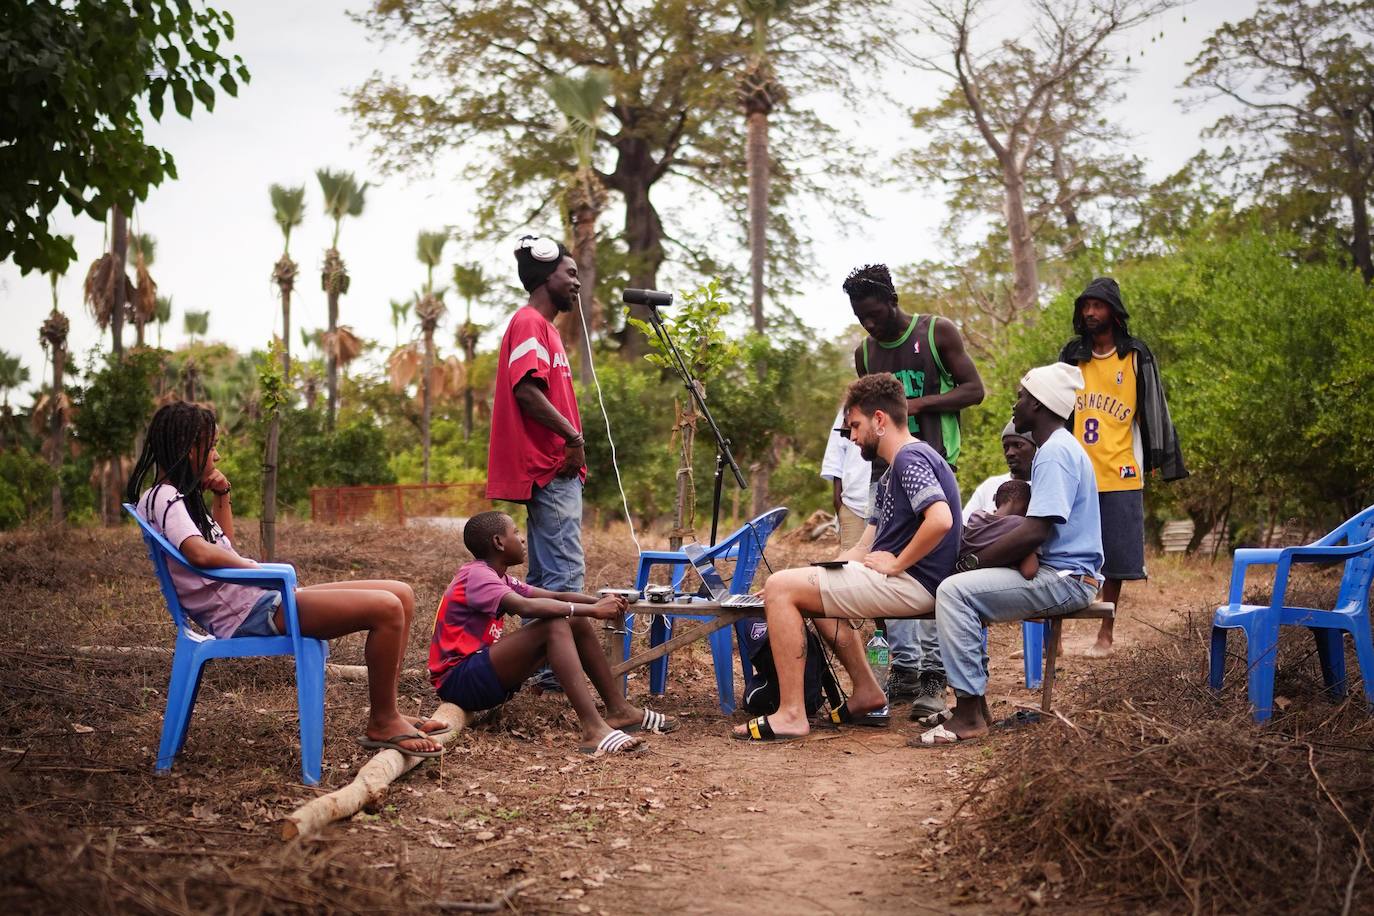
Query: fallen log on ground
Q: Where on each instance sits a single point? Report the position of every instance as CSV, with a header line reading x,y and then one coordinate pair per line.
x,y
371,783
343,672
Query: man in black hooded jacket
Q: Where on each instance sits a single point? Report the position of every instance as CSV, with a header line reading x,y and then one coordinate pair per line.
x,y
1122,421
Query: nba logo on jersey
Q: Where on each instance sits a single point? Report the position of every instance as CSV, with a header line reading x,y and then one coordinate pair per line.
x,y
1128,472
1118,378
916,347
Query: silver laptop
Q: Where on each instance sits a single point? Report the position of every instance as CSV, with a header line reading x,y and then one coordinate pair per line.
x,y
715,585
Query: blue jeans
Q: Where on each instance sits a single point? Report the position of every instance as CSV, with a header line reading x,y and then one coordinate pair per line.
x,y
967,602
554,536
914,643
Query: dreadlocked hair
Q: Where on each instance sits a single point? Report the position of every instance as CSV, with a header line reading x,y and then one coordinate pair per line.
x,y
173,434
871,280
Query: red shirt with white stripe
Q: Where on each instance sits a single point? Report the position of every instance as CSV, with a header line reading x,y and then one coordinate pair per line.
x,y
523,452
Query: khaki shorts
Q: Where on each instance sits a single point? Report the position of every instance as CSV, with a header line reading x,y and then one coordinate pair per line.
x,y
856,592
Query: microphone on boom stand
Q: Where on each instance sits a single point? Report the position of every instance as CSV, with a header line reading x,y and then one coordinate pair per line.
x,y
650,297
656,299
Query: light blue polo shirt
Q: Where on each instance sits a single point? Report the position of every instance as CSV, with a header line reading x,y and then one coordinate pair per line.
x,y
1064,490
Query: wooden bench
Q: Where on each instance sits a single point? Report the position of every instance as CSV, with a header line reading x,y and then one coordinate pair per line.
x,y
1098,610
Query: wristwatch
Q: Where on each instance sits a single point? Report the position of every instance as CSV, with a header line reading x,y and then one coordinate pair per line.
x,y
967,563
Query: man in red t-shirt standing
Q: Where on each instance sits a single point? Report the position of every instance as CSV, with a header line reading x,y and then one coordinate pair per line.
x,y
536,456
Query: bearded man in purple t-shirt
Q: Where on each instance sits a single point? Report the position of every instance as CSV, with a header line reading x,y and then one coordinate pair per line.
x,y
909,547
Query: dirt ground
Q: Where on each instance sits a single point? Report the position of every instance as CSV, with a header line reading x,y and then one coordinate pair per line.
x,y
844,822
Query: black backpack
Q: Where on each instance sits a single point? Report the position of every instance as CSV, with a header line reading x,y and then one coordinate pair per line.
x,y
761,696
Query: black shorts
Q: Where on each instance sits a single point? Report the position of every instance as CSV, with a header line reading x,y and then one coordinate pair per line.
x,y
1123,534
473,685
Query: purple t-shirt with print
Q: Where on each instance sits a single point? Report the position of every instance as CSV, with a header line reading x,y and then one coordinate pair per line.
x,y
917,479
219,607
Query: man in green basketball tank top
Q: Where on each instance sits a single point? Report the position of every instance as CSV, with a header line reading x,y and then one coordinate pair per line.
x,y
926,353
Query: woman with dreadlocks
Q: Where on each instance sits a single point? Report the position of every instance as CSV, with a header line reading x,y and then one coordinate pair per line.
x,y
168,487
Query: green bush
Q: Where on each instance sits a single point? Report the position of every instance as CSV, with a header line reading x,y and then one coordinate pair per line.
x,y
26,482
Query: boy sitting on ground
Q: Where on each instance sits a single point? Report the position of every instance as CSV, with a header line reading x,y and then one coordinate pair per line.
x,y
472,665
982,529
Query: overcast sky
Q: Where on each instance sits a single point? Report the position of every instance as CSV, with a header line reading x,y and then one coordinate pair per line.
x,y
217,241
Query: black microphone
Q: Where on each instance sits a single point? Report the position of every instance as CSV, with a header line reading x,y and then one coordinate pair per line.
x,y
649,297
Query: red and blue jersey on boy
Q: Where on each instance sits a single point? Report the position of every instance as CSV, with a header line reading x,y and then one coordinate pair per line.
x,y
469,617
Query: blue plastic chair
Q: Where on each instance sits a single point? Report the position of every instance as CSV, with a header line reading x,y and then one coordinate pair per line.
x,y
745,547
1351,543
1033,633
193,650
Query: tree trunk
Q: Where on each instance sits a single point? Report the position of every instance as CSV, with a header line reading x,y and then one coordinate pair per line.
x,y
760,476
425,400
1025,272
119,245
684,510
59,365
138,331
332,362
285,272
588,309
633,178
469,356
268,525
757,156
1359,239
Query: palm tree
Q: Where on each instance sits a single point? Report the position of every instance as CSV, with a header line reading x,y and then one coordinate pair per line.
x,y
13,374
582,102
162,314
472,285
310,375
53,336
107,286
429,308
143,303
343,196
400,311
288,209
196,324
758,93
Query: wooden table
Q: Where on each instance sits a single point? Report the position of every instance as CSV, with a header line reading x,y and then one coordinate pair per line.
x,y
723,617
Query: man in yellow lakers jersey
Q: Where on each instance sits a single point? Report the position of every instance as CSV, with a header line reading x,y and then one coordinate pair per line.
x,y
1122,421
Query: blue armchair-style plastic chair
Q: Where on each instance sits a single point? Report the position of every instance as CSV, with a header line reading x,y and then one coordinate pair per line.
x,y
745,547
193,650
1352,543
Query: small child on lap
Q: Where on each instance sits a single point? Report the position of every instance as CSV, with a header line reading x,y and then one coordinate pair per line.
x,y
472,664
982,529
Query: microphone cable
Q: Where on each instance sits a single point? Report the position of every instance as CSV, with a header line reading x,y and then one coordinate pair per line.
x,y
591,363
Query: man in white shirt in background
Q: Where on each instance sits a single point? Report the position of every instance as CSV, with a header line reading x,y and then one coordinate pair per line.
x,y
849,473
1019,450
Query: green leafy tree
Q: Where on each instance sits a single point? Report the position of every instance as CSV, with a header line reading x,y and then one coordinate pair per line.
x,y
115,405
1300,72
343,197
475,86
72,95
1016,104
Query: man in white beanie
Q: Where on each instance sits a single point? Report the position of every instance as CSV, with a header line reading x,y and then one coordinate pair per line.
x,y
1062,523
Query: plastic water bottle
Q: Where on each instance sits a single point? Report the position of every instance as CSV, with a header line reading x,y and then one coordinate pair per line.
x,y
879,655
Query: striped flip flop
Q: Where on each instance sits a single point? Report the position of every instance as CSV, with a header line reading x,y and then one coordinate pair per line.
x,y
655,722
615,742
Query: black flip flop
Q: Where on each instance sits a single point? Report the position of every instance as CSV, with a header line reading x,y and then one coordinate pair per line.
x,y
879,718
760,731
